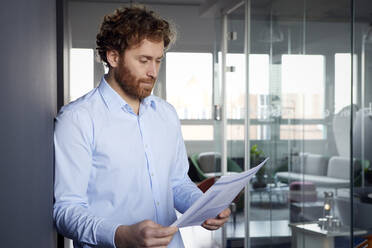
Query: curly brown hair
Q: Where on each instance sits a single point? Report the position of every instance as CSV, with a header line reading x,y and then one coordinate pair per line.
x,y
128,27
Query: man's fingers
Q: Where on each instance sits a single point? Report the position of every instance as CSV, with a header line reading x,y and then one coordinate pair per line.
x,y
157,242
216,222
161,232
152,229
155,235
160,246
210,227
150,223
225,213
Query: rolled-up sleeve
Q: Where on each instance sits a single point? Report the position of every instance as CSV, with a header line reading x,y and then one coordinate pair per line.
x,y
73,143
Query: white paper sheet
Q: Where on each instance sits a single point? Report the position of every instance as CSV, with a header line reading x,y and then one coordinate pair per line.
x,y
217,198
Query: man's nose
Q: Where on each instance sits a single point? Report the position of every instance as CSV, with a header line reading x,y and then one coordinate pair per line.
x,y
152,70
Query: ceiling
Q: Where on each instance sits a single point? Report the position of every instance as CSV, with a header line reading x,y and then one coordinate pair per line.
x,y
161,2
315,10
322,10
312,10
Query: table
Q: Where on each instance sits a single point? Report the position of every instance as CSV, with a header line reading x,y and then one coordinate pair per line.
x,y
310,235
280,191
306,211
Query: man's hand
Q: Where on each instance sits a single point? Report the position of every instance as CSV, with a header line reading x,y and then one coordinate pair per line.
x,y
144,234
214,224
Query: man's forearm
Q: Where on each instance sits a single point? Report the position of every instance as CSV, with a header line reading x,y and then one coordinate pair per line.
x,y
122,237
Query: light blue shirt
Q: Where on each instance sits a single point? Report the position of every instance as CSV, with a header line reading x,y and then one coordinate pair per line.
x,y
113,167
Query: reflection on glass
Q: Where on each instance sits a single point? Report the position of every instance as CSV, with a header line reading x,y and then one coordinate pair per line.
x,y
300,86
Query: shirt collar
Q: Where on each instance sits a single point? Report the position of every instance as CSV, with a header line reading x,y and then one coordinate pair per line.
x,y
114,101
150,101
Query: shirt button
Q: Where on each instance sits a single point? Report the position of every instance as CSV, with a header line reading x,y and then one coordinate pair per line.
x,y
146,146
152,174
157,203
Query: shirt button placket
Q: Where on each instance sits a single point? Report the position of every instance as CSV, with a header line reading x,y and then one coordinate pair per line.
x,y
152,178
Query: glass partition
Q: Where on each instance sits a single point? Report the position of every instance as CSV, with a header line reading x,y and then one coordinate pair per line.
x,y
310,109
361,73
235,113
309,143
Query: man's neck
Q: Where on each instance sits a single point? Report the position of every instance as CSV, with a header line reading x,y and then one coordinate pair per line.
x,y
133,102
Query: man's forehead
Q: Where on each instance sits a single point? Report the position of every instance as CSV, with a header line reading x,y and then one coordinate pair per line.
x,y
148,48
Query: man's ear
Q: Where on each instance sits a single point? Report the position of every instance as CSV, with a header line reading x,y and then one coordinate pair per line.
x,y
113,57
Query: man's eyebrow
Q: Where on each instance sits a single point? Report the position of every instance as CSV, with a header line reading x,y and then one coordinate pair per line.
x,y
150,57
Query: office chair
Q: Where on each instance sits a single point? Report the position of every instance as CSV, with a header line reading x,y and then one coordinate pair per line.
x,y
366,243
211,162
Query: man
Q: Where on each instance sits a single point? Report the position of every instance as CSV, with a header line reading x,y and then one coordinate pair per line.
x,y
121,164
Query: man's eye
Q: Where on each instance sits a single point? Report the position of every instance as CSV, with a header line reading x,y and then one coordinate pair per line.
x,y
143,61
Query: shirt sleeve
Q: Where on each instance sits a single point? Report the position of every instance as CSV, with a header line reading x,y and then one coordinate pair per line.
x,y
73,139
185,192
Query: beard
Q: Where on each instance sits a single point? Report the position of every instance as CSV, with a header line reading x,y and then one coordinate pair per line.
x,y
138,88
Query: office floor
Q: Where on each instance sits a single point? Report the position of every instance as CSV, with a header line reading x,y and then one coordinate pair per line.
x,y
269,218
263,232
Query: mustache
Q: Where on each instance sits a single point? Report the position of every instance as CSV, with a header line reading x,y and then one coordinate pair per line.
x,y
151,80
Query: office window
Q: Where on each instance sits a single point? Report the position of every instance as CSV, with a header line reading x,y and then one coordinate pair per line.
x,y
303,86
189,84
189,90
197,132
302,132
259,93
256,132
258,85
235,86
303,94
81,72
343,80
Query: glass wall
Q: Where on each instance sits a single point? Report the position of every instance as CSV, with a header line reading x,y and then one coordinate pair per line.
x,y
362,122
309,103
235,114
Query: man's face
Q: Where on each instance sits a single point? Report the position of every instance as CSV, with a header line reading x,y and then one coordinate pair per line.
x,y
138,68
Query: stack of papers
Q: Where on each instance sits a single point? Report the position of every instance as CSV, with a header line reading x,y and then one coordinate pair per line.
x,y
217,198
